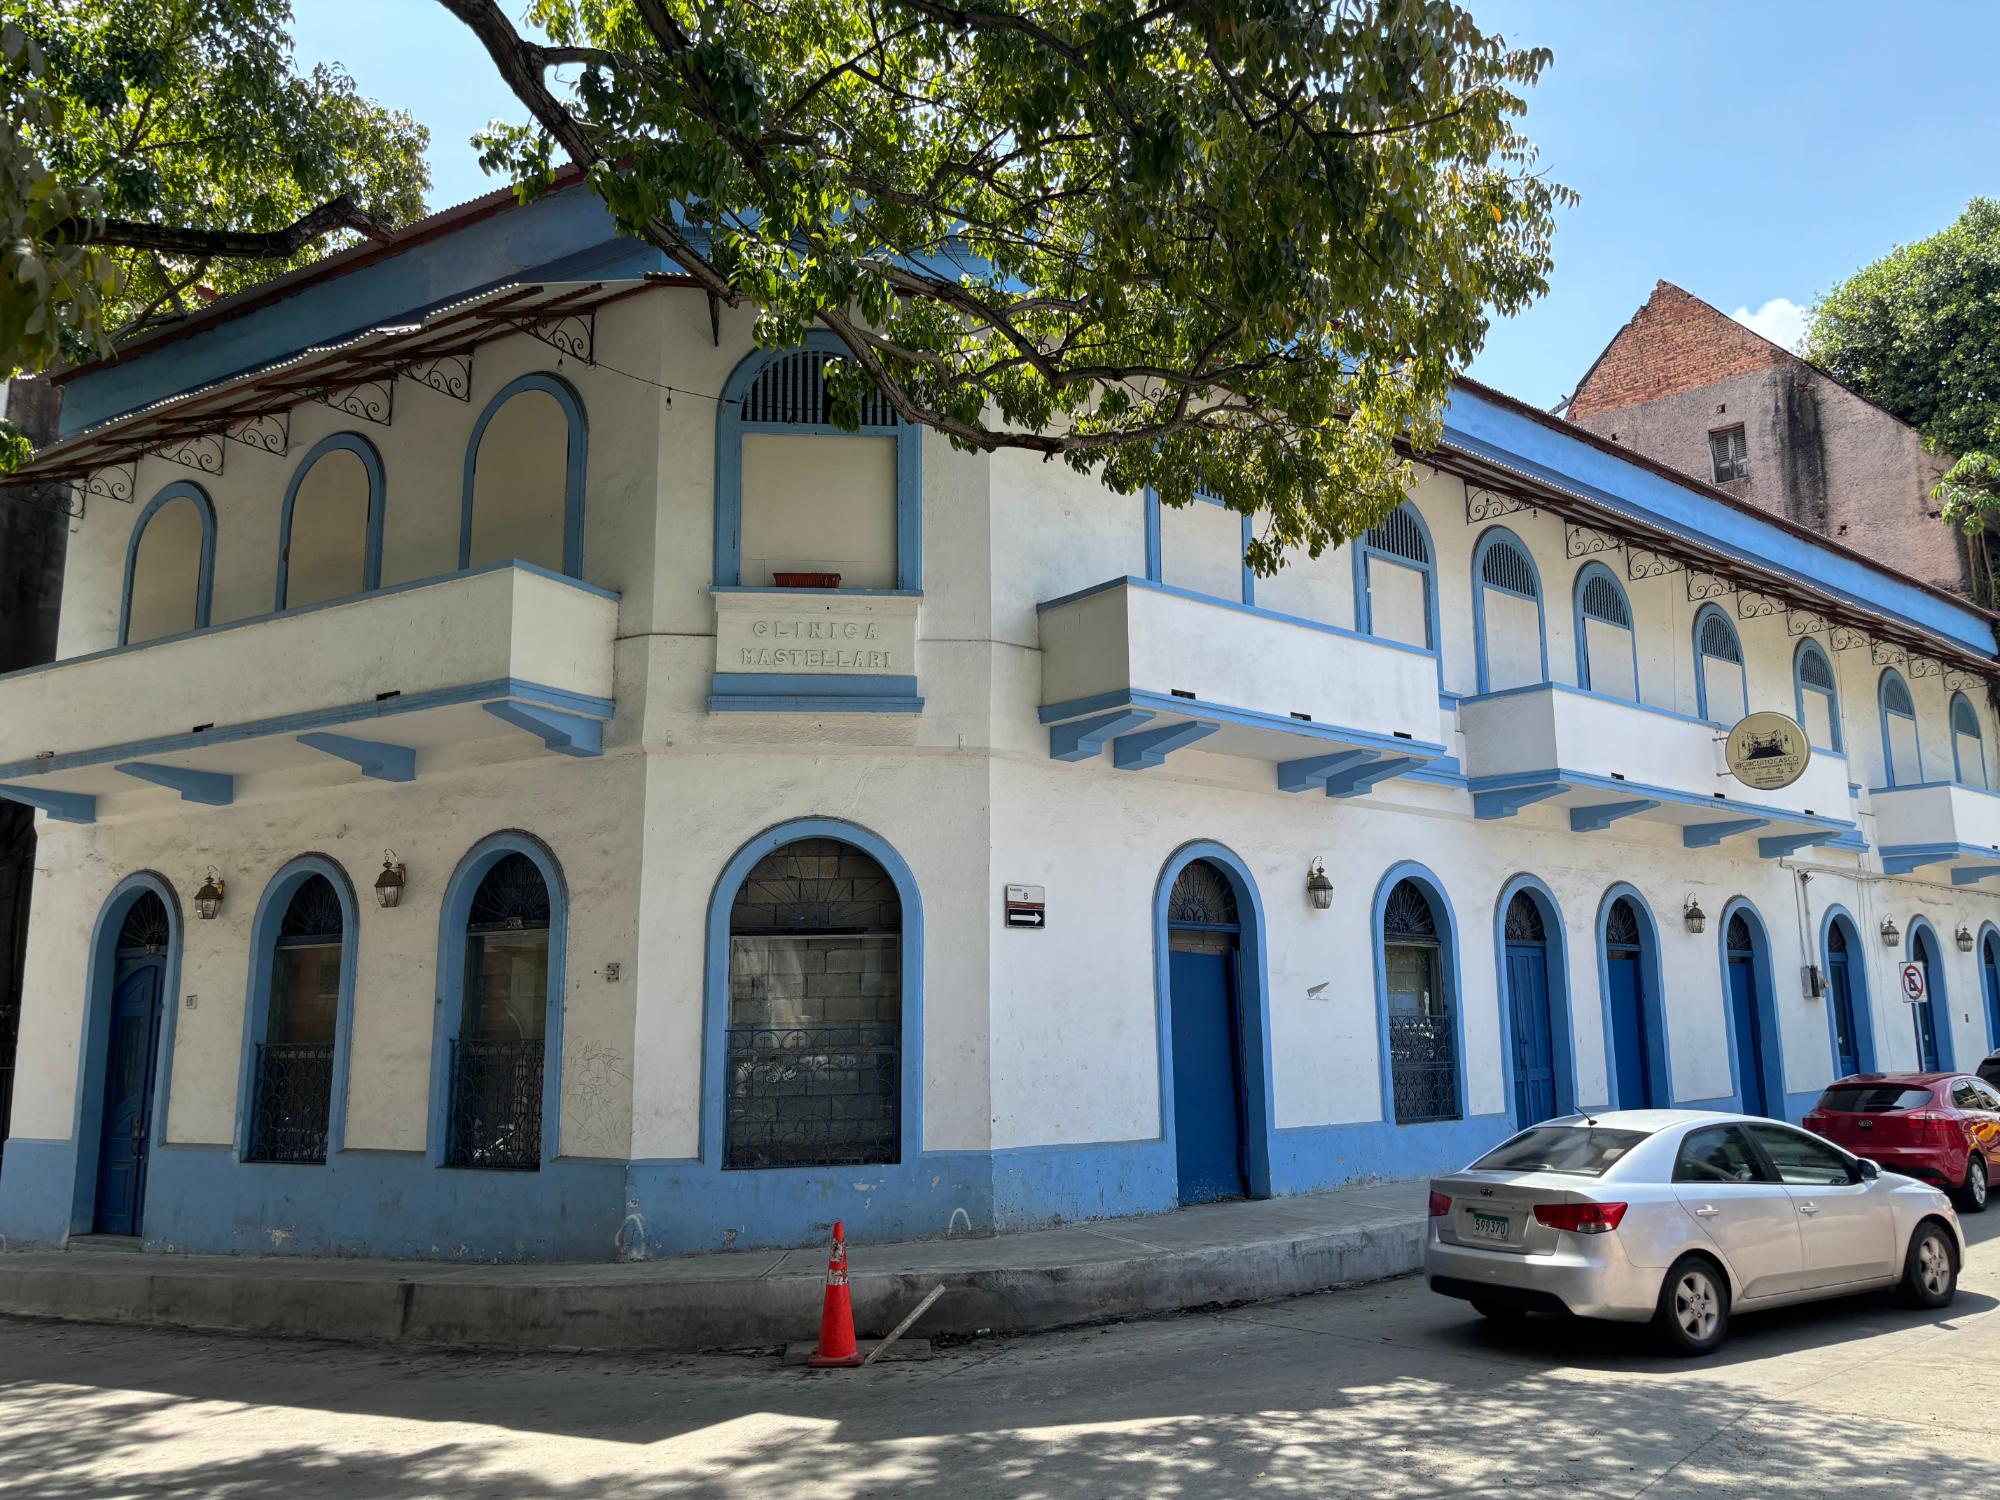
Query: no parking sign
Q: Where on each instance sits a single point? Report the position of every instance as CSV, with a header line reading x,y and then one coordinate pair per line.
x,y
1915,983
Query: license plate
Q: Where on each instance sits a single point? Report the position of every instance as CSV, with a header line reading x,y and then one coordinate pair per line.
x,y
1490,1226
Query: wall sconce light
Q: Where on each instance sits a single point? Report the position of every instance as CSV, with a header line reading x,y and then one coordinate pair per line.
x,y
1890,935
208,900
1964,938
1693,915
389,884
1319,889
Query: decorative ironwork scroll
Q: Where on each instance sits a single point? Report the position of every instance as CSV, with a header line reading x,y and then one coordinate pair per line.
x,y
574,334
294,1101
448,375
1703,585
1958,681
1423,1068
1888,654
268,432
112,482
1751,605
1925,666
1587,541
1485,505
1805,621
496,1104
1644,562
202,452
1847,638
818,1096
369,400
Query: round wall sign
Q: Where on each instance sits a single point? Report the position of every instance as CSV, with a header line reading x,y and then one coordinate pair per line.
x,y
1767,751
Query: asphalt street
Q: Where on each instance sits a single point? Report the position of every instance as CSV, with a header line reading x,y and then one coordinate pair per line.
x,y
1378,1391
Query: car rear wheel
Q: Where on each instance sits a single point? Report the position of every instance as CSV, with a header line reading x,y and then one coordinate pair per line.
x,y
1971,1194
1930,1270
1693,1315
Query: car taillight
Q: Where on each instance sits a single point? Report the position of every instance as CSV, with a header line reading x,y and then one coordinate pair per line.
x,y
1440,1205
1580,1218
1813,1119
1935,1125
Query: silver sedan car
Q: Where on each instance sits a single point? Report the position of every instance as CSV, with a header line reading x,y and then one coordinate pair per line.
x,y
1679,1217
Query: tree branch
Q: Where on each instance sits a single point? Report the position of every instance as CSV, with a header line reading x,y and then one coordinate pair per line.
x,y
229,244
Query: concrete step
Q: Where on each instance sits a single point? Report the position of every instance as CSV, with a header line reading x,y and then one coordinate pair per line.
x,y
1019,1283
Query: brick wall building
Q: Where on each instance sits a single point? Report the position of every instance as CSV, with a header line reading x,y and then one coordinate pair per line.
x,y
1686,384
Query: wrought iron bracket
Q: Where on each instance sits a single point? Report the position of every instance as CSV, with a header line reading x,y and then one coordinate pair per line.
x,y
1703,585
1644,562
1959,681
369,400
1805,621
448,375
574,334
1888,654
1751,605
1587,541
1485,505
1847,638
1925,666
267,432
201,451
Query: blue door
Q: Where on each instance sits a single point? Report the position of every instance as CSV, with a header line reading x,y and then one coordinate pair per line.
x,y
1991,968
1534,1034
1749,1036
1628,1031
132,1050
1924,1015
1208,1131
1840,994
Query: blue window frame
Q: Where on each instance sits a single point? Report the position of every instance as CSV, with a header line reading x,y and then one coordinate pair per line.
x,y
1902,751
1417,998
783,391
574,470
1156,555
371,465
1812,674
1601,602
1503,567
1399,541
204,580
1968,744
1718,650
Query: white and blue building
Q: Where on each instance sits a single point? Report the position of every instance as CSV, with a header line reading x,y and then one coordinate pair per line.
x,y
519,783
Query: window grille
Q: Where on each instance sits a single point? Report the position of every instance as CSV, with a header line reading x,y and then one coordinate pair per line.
x,y
1896,696
1729,453
294,1101
1524,920
294,1065
496,1104
1964,718
1815,671
513,896
1407,915
145,929
1738,936
1399,535
1719,641
1202,895
1505,567
1423,1047
1604,600
1621,925
791,390
314,912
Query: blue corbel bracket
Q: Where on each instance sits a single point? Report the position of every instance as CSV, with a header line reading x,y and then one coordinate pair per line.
x,y
1304,775
564,733
64,807
1600,816
1902,864
211,787
1708,835
1783,844
375,759
1084,739
1507,801
1973,874
1358,779
1151,747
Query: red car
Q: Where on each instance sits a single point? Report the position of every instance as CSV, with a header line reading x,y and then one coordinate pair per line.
x,y
1943,1128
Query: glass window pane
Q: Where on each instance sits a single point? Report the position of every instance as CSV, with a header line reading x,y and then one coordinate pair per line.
x,y
1723,1154
1413,980
1801,1160
508,986
1561,1148
305,992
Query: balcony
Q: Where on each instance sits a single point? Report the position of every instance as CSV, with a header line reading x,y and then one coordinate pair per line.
x,y
1937,826
380,682
1602,760
1149,670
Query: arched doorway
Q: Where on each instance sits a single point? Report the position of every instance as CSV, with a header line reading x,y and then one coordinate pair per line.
x,y
1205,1012
1743,959
131,1065
1989,969
1851,1052
1923,948
1529,1005
1638,1047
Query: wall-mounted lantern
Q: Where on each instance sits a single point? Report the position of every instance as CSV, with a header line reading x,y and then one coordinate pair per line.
x,y
389,884
1891,936
1963,937
1319,889
1693,915
208,900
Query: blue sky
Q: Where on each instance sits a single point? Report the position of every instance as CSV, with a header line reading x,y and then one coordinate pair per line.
x,y
1753,152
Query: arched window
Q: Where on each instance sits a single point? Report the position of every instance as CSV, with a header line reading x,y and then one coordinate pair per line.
x,y
800,497
1395,583
1721,692
1507,619
330,531
1423,1042
1607,650
814,1049
1902,760
499,1056
169,566
524,478
1968,746
304,960
1817,695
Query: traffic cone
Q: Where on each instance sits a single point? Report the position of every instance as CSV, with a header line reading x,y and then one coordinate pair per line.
x,y
836,1317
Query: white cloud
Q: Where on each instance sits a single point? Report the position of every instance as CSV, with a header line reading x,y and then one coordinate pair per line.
x,y
1780,320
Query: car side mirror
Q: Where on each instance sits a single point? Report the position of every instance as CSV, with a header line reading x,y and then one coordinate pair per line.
x,y
1866,1170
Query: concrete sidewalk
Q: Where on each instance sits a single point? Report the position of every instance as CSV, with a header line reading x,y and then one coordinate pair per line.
x,y
1015,1283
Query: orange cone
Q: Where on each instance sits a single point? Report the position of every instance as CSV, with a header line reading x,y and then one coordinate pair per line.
x,y
836,1317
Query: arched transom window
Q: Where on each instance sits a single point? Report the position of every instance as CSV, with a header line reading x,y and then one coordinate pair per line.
x,y
1509,623
1818,695
814,1054
1423,1048
1395,584
1720,691
498,1063
294,1061
1607,659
